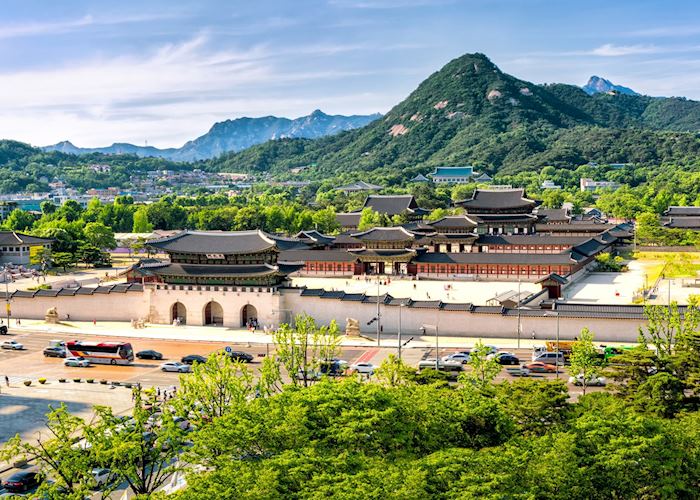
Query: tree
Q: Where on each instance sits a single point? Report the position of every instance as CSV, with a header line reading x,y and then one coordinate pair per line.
x,y
47,207
394,372
99,235
368,219
214,388
303,348
584,358
68,465
19,220
89,254
325,220
143,450
64,260
483,369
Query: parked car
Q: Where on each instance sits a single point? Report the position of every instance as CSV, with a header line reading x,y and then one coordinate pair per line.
x,y
12,344
22,481
458,357
102,476
78,362
176,366
592,381
506,358
333,367
363,368
191,359
241,356
3,329
491,349
539,367
311,374
149,354
55,352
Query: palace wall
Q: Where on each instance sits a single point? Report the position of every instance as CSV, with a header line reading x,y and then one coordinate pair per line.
x,y
459,323
99,306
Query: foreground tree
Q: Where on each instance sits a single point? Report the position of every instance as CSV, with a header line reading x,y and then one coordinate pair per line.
x,y
584,359
484,369
57,455
142,450
302,349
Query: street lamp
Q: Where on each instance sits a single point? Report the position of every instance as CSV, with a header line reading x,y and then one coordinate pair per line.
x,y
437,345
556,313
402,304
519,313
6,277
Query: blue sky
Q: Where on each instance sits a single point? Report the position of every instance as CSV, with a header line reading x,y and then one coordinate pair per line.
x,y
97,72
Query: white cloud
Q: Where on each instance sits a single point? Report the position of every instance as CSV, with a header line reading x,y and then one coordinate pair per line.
x,y
611,50
167,96
69,25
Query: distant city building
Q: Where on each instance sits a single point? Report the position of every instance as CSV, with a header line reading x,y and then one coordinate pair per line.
x,y
591,185
452,175
17,248
6,208
549,184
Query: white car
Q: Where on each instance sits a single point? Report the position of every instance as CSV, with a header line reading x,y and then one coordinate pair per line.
x,y
363,368
592,381
78,362
458,356
12,344
102,476
449,366
175,366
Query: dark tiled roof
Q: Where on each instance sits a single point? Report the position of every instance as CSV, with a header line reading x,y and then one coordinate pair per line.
x,y
683,223
385,234
350,219
682,211
453,221
346,239
214,242
392,204
315,236
502,217
14,238
382,252
555,277
47,293
209,270
573,228
284,243
554,214
497,199
315,256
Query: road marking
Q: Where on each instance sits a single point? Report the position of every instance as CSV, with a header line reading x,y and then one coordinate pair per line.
x,y
367,356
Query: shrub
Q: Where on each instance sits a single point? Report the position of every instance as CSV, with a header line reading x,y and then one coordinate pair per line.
x,y
42,380
128,385
62,380
77,380
103,382
27,383
90,380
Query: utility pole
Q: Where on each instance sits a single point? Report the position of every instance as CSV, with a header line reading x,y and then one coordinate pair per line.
x,y
401,305
558,350
6,276
379,327
518,313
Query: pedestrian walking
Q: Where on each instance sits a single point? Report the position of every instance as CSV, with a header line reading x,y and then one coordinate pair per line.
x,y
7,381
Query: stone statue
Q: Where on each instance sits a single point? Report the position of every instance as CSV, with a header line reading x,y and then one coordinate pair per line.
x,y
352,327
51,315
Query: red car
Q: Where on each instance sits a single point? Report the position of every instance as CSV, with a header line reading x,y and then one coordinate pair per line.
x,y
539,367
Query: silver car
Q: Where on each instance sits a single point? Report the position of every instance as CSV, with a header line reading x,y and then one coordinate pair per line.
x,y
12,344
175,366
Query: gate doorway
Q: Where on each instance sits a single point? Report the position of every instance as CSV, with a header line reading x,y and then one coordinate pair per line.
x,y
178,313
213,314
249,316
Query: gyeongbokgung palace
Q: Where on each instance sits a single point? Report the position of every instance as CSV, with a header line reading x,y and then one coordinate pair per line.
x,y
501,235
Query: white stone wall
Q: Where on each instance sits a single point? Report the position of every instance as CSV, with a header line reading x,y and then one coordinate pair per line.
x,y
459,323
99,306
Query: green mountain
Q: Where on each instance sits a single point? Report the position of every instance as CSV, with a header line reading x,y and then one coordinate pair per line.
x,y
470,112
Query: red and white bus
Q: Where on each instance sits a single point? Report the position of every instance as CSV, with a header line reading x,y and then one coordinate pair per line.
x,y
113,353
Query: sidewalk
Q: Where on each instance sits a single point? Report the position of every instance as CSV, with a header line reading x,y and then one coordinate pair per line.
x,y
242,336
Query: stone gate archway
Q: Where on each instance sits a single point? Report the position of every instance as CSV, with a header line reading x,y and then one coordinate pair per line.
x,y
248,313
213,313
178,311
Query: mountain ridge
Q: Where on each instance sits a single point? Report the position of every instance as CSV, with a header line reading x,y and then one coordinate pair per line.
x,y
234,135
598,85
470,112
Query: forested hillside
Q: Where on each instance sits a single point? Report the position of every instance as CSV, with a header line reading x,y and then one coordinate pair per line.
x,y
471,112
